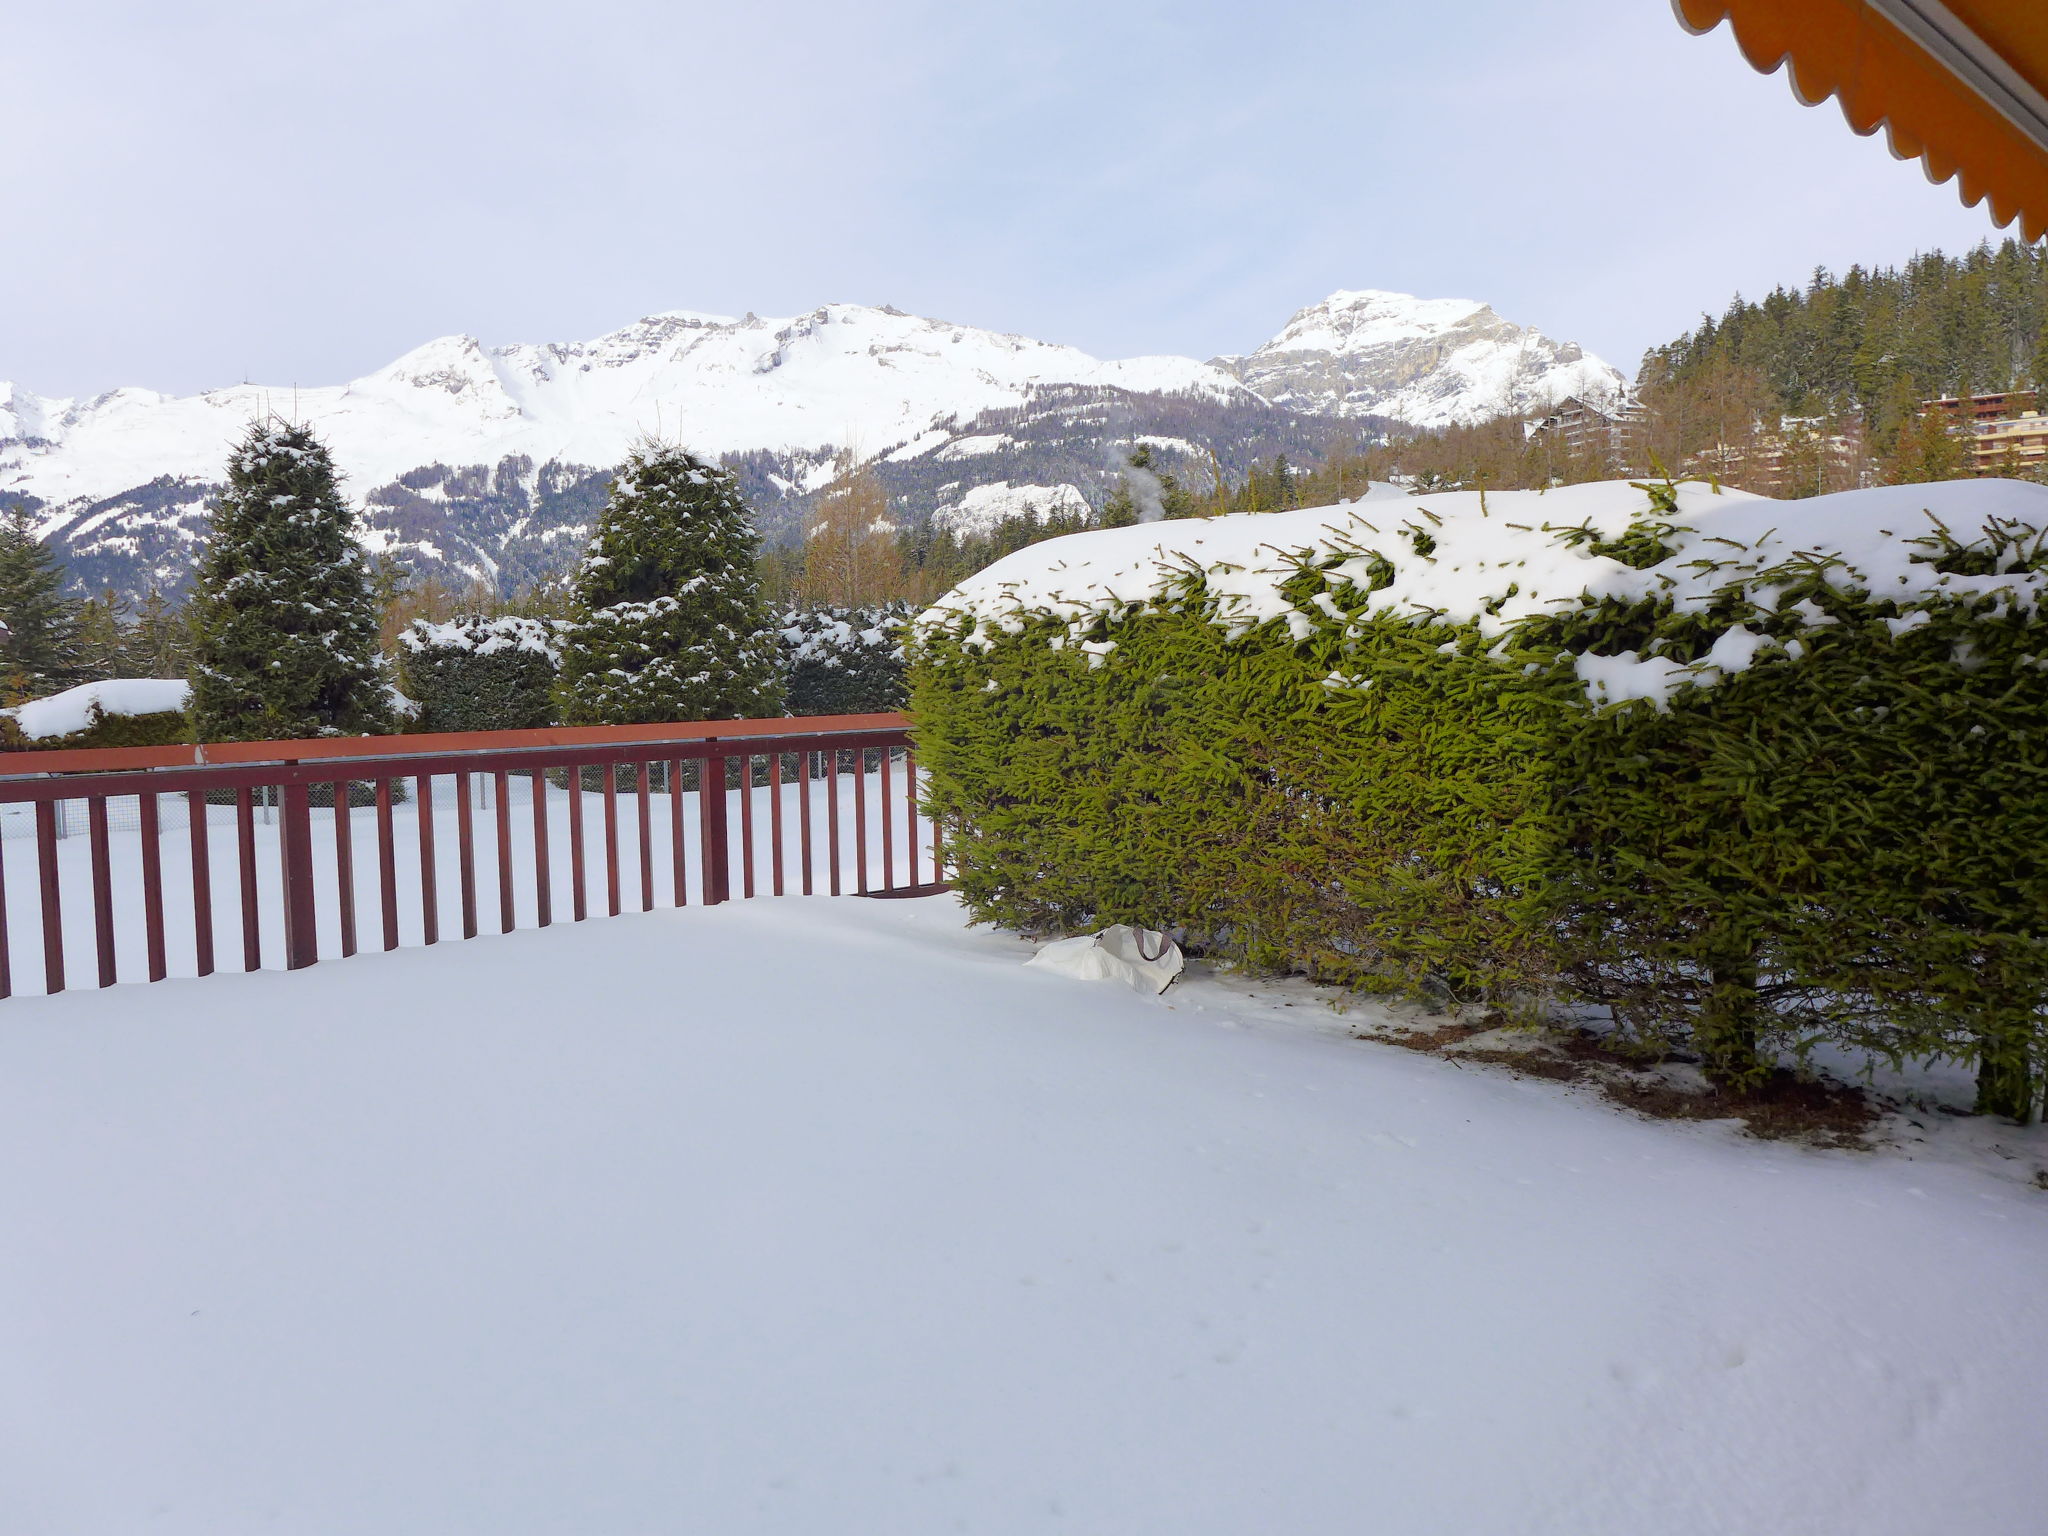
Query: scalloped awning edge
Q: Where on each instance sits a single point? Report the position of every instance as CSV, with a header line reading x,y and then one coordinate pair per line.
x,y
1966,99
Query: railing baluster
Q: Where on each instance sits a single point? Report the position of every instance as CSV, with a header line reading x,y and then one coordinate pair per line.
x,y
295,863
543,898
245,852
152,886
387,865
680,869
747,824
102,888
711,812
611,839
641,773
6,945
465,854
860,821
832,816
775,820
910,816
430,891
345,866
202,882
504,788
578,903
803,814
888,831
53,897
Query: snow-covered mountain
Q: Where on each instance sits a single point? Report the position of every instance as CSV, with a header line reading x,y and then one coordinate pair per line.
x,y
489,462
1424,362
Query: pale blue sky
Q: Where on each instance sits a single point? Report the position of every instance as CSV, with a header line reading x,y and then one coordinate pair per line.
x,y
201,192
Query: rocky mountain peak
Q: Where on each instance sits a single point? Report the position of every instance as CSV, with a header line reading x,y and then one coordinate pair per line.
x,y
1427,362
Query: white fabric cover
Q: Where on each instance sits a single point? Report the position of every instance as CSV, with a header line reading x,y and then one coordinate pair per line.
x,y
1118,953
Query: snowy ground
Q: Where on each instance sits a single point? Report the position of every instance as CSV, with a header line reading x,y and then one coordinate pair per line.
x,y
828,1216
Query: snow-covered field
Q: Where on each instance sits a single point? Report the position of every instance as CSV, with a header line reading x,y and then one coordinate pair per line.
x,y
817,1216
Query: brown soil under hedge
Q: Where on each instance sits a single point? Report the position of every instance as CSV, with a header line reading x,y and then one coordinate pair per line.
x,y
1784,1107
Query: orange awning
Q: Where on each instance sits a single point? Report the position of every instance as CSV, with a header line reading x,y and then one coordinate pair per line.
x,y
1961,86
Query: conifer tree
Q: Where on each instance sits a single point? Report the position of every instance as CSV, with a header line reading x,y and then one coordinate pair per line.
x,y
850,554
160,640
1927,448
670,624
284,623
39,654
1119,511
103,636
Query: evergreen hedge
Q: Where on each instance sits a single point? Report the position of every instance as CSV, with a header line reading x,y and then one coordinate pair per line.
x,y
844,661
481,674
160,728
1753,798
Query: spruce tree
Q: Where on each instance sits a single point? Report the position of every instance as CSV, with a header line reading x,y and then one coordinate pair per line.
x,y
1119,511
103,636
159,641
284,622
40,652
1928,447
670,624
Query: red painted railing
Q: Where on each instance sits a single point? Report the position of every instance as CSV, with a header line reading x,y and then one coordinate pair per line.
x,y
276,792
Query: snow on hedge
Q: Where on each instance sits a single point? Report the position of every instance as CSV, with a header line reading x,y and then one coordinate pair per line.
x,y
1497,560
827,636
488,637
73,710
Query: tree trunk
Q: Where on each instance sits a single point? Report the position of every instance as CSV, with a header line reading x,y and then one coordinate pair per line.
x,y
1730,1019
2005,1075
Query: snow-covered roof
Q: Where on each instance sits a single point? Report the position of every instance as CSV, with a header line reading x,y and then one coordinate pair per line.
x,y
62,714
1495,560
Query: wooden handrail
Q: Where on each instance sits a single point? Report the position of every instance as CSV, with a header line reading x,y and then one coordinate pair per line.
x,y
190,754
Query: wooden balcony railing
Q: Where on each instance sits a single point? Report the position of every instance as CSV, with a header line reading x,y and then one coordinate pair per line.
x,y
268,836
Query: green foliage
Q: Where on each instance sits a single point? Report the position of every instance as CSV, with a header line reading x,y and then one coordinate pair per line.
x,y
285,625
670,623
1381,836
1883,339
1278,487
481,674
1927,447
41,651
102,636
159,641
936,558
844,661
1846,843
164,728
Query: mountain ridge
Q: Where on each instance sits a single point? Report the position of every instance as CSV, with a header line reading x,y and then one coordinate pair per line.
x,y
488,462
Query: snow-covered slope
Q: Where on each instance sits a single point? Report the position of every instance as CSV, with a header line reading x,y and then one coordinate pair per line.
x,y
841,374
488,462
1427,362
